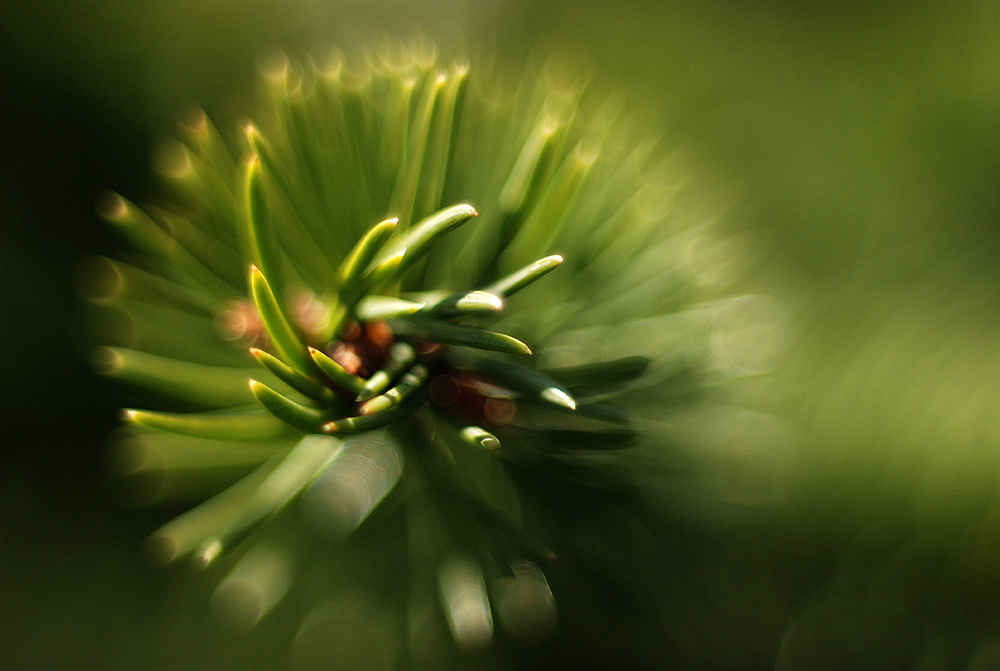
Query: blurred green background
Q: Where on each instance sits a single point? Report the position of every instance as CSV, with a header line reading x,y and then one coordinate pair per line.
x,y
857,144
